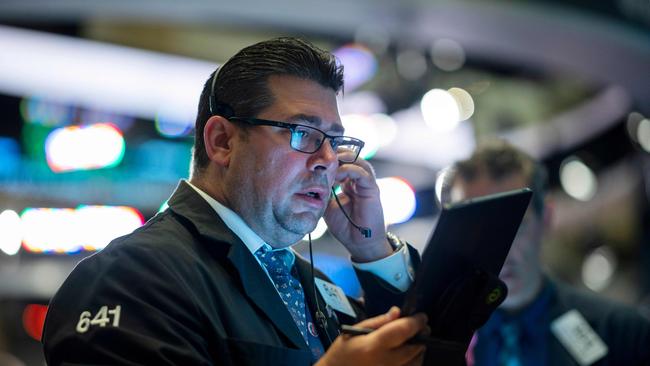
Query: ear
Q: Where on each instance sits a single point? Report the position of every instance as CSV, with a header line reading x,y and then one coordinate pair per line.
x,y
218,137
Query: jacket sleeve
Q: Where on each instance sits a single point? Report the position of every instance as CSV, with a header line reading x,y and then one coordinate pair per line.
x,y
124,307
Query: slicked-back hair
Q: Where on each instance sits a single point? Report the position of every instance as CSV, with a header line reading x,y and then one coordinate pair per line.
x,y
498,160
242,81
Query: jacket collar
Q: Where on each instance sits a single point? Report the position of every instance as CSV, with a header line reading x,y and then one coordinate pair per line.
x,y
187,203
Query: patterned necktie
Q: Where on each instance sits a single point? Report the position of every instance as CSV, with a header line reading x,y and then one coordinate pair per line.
x,y
278,264
509,355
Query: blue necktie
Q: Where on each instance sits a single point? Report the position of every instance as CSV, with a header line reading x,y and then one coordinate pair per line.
x,y
510,349
278,264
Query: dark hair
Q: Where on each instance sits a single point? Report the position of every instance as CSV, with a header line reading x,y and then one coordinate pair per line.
x,y
499,160
241,82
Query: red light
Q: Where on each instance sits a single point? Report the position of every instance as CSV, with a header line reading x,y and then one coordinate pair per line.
x,y
34,319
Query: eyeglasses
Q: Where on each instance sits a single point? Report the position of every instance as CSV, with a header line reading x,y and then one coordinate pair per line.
x,y
308,139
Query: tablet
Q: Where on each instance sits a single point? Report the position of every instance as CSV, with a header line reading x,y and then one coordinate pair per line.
x,y
471,237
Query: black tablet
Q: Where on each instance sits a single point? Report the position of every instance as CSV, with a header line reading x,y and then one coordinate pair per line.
x,y
471,237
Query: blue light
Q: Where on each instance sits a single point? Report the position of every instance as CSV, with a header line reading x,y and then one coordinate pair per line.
x,y
340,271
9,156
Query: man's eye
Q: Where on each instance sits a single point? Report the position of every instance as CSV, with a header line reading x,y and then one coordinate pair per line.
x,y
302,133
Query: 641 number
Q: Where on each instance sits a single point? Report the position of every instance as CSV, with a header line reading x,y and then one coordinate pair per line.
x,y
103,317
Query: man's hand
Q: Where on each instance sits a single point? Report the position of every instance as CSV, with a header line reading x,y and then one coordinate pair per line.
x,y
384,346
360,200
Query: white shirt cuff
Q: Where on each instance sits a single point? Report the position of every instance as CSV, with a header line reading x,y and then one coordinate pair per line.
x,y
395,269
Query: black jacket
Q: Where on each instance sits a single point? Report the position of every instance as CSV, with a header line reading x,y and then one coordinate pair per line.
x,y
184,290
623,330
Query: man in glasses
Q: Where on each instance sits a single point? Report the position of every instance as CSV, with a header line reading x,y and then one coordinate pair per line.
x,y
212,281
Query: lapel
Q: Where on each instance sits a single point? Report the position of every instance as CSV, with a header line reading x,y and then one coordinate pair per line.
x,y
256,285
331,329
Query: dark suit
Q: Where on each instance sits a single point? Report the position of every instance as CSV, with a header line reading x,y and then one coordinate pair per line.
x,y
190,293
625,332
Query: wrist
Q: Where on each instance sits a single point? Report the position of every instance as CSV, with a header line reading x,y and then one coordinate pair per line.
x,y
387,247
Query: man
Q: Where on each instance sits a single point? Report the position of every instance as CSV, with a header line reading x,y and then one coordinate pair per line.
x,y
526,329
211,280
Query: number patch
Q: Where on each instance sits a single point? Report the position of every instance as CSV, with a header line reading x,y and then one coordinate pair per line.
x,y
104,317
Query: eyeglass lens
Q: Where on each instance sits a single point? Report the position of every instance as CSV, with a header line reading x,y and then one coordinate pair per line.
x,y
309,140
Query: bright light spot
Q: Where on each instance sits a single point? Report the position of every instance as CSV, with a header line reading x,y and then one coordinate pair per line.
x,y
50,230
447,54
93,235
598,268
11,230
164,206
577,180
172,128
464,102
363,128
440,110
643,134
411,64
34,319
360,102
386,128
359,62
441,180
633,120
84,147
98,75
397,199
319,230
67,230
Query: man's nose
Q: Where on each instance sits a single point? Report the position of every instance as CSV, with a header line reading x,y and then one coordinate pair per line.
x,y
325,157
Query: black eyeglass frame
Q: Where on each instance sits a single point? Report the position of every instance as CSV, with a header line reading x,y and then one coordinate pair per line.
x,y
335,141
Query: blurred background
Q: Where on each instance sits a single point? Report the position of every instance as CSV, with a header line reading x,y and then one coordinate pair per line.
x,y
98,99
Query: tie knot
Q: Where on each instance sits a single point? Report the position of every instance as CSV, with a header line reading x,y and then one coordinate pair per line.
x,y
276,262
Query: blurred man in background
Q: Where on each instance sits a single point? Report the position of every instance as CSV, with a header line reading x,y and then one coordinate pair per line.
x,y
542,322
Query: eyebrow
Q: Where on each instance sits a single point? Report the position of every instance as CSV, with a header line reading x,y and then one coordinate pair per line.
x,y
316,121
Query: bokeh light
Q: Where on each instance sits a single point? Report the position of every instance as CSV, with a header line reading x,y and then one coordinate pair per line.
x,y
643,134
386,128
67,230
397,199
440,110
362,127
84,147
411,64
34,320
598,268
11,232
447,54
464,102
359,62
577,179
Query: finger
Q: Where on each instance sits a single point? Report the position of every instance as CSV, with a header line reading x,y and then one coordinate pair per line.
x,y
363,174
378,321
399,331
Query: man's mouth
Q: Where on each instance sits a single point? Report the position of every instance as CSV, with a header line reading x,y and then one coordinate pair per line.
x,y
315,195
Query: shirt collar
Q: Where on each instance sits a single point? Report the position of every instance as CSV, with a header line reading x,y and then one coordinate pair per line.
x,y
238,226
